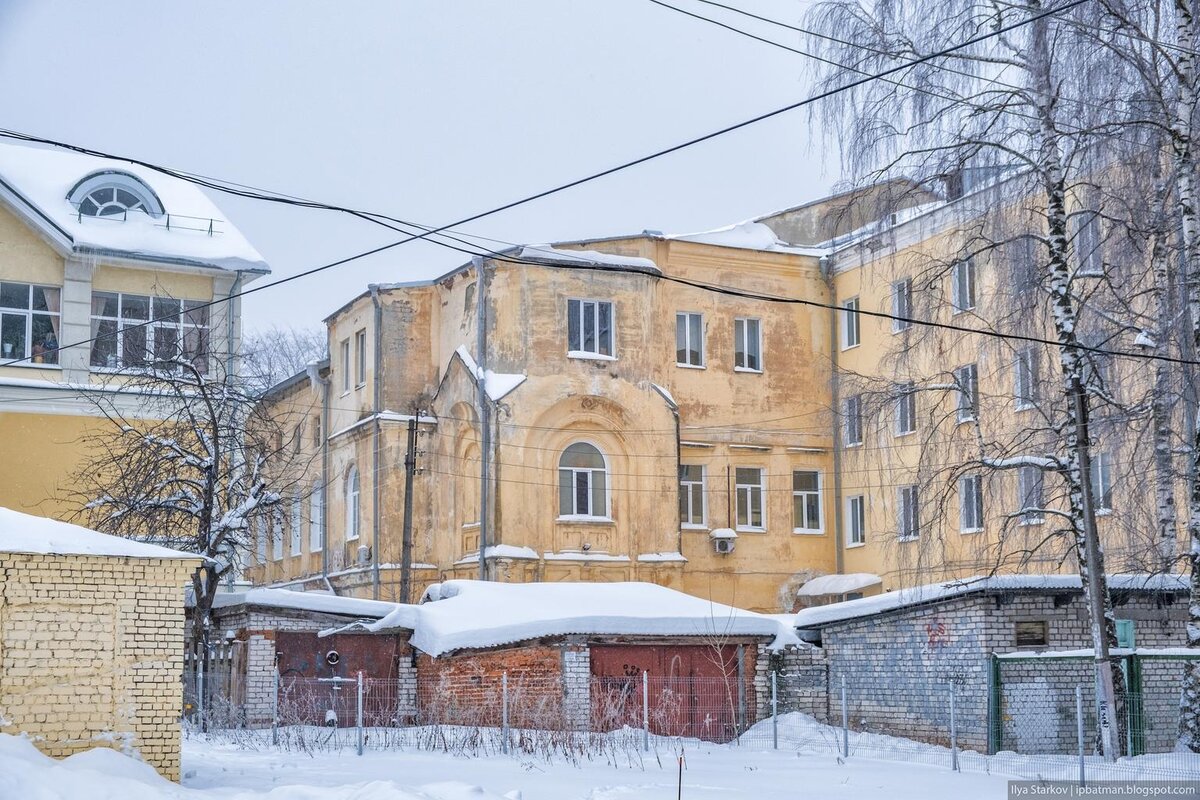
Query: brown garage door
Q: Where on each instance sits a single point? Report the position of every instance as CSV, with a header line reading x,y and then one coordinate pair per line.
x,y
693,689
308,663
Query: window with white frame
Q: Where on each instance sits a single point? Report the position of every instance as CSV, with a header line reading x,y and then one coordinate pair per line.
x,y
353,510
906,408
29,322
851,334
316,518
260,536
856,520
962,285
689,339
749,483
360,358
1031,485
112,194
277,533
902,305
347,367
140,331
582,482
297,525
908,513
806,501
1025,378
970,503
1088,254
590,328
747,344
1102,485
691,496
852,420
966,381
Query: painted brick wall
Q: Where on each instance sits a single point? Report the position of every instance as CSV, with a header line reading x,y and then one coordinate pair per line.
x,y
800,683
467,687
91,653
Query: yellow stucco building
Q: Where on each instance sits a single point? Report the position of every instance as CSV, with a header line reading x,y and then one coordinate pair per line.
x,y
104,265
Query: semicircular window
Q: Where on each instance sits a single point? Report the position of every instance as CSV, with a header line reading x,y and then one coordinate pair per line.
x,y
113,195
111,201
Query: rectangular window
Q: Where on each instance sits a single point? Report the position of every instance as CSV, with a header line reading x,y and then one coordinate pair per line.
x,y
856,520
346,365
590,328
1102,482
962,286
906,408
691,496
1126,634
902,305
297,525
260,536
360,358
1031,634
1031,485
850,324
747,345
750,490
1025,378
316,519
277,534
966,379
139,331
297,438
29,320
1088,253
908,513
852,418
689,339
970,503
316,431
806,501
583,491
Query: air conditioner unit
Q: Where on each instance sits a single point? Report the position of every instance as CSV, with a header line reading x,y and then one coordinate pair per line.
x,y
364,554
723,546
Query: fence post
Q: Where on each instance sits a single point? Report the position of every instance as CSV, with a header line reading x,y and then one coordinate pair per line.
x,y
275,711
504,713
953,731
845,722
1079,733
359,714
645,711
200,695
774,711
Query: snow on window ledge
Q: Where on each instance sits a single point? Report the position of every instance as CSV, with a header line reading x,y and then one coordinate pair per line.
x,y
747,529
748,369
809,531
585,519
908,538
691,526
584,355
853,545
682,365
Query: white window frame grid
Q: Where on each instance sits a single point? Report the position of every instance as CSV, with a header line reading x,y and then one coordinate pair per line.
x,y
360,358
1025,378
908,513
685,343
177,322
591,516
353,492
276,534
688,489
261,545
906,409
966,382
902,305
742,327
1030,478
297,525
964,288
856,520
1089,264
851,324
852,421
1102,486
347,366
806,494
579,307
970,504
316,518
28,312
750,491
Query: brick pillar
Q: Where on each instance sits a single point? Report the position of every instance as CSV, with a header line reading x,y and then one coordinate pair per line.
x,y
260,678
577,695
406,689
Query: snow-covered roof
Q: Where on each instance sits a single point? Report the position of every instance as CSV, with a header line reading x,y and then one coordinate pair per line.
x,y
838,584
918,595
38,180
319,602
460,614
553,255
747,235
26,533
498,384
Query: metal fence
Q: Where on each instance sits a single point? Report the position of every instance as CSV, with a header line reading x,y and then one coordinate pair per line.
x,y
621,720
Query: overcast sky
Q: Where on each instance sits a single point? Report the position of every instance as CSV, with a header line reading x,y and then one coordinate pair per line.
x,y
427,110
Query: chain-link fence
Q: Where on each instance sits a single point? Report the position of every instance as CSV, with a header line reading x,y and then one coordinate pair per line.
x,y
621,720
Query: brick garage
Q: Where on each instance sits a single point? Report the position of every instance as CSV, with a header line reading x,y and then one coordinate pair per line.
x,y
91,635
899,652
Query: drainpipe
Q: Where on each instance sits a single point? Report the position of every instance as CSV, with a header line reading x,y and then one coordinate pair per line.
x,y
230,325
314,375
836,397
485,424
376,436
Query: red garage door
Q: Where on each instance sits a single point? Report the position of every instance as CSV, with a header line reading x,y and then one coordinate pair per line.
x,y
318,675
693,689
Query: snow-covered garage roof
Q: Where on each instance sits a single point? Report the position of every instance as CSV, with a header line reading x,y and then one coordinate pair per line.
x,y
26,533
819,616
37,182
318,602
461,614
838,584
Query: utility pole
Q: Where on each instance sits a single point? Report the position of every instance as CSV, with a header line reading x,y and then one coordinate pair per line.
x,y
485,424
410,469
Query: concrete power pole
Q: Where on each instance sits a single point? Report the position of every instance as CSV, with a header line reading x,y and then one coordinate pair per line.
x,y
485,423
410,469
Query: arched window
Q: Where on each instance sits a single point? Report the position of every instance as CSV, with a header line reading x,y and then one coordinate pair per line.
x,y
112,193
582,482
352,504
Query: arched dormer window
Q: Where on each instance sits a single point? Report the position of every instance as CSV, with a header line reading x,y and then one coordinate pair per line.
x,y
114,194
353,512
582,482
